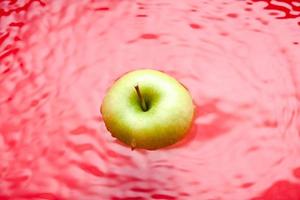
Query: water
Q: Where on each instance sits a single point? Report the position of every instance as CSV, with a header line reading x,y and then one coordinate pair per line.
x,y
239,59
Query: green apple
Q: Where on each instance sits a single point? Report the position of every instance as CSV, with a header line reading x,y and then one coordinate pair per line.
x,y
147,109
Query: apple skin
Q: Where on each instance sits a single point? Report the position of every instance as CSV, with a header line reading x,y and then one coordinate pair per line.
x,y
167,120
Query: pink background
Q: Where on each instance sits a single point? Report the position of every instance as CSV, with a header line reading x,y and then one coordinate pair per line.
x,y
239,59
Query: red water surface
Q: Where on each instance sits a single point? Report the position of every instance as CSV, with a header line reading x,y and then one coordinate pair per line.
x,y
239,59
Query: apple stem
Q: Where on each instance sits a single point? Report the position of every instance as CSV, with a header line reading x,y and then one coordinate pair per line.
x,y
142,100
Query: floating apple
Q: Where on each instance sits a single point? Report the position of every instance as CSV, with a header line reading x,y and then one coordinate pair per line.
x,y
147,109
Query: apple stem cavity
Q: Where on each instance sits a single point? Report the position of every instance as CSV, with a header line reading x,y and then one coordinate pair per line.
x,y
141,98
